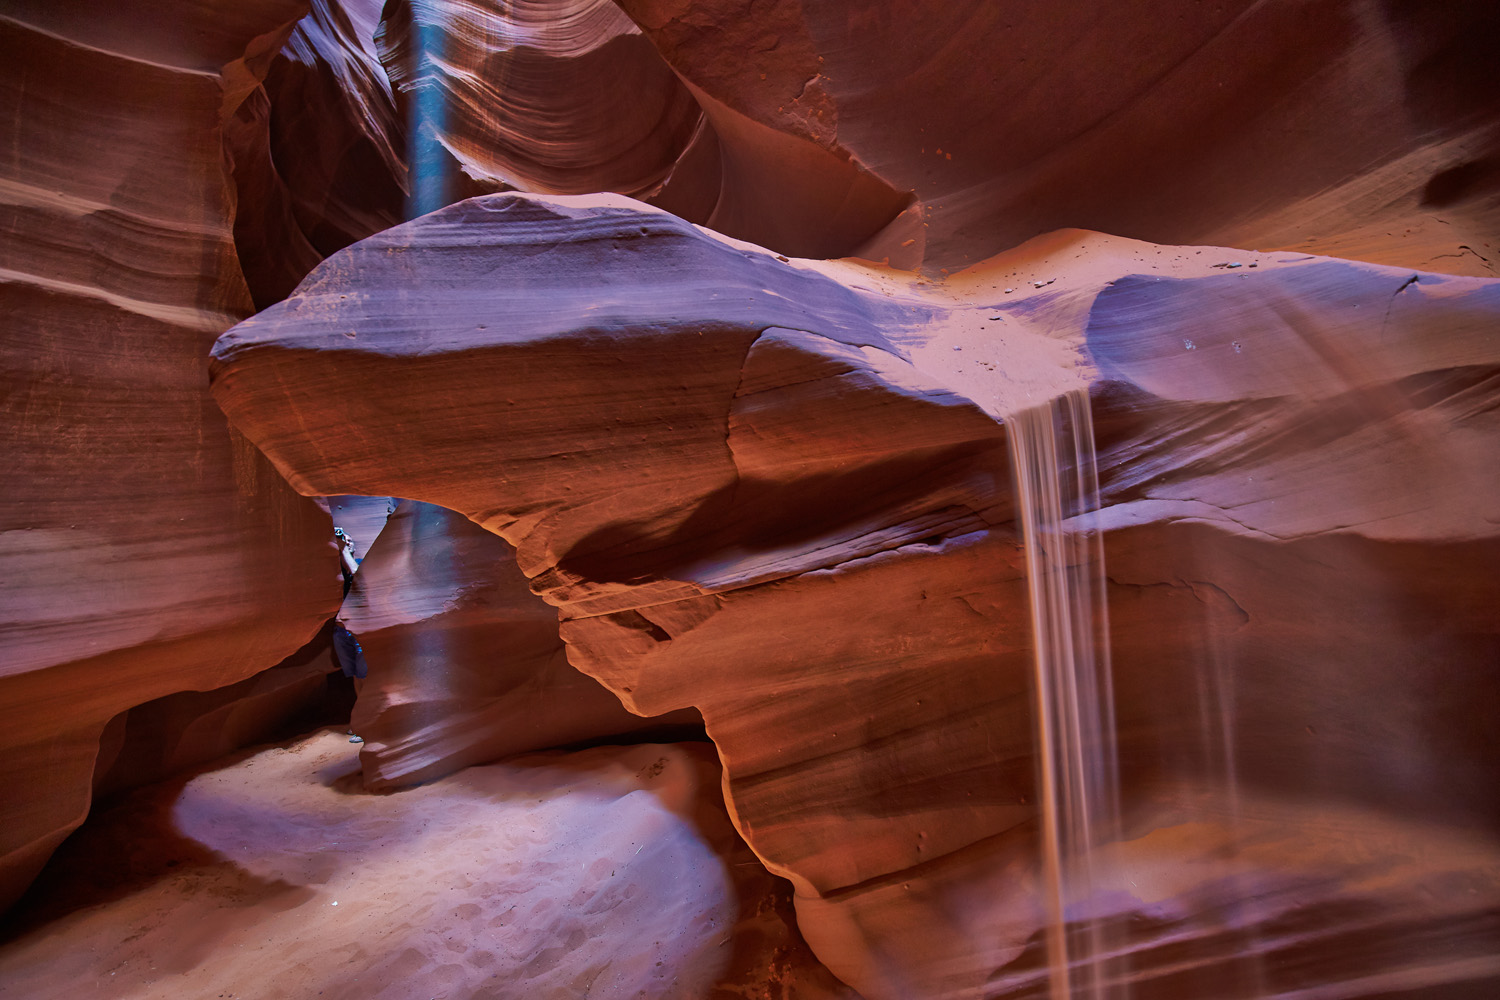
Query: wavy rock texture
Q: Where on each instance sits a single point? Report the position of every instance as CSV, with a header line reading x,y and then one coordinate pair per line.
x,y
771,169
561,96
1363,130
937,138
569,97
319,151
777,491
465,661
144,548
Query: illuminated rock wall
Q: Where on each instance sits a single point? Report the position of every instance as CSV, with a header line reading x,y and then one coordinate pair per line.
x,y
145,548
465,664
776,491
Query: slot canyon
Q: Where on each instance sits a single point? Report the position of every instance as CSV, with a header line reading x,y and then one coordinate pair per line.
x,y
750,499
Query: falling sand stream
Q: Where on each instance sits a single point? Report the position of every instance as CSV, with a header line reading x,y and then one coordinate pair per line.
x,y
1057,496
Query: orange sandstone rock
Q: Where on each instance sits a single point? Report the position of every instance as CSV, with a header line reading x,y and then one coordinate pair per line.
x,y
144,547
1364,131
561,96
318,148
465,663
776,491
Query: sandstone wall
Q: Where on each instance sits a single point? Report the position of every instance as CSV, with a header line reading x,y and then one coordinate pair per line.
x,y
145,547
776,491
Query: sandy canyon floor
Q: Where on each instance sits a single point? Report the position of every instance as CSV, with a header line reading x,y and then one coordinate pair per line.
x,y
609,872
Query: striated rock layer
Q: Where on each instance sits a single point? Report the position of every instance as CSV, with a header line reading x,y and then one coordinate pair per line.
x,y
561,96
1367,130
319,153
144,547
776,491
465,663
571,97
935,137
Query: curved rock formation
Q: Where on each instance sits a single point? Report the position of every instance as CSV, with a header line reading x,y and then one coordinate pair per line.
x,y
569,97
937,138
144,547
171,734
782,178
1365,130
319,152
561,96
777,491
465,663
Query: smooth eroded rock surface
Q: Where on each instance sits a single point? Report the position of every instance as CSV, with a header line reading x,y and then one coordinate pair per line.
x,y
318,148
465,663
560,96
777,491
144,547
1362,130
